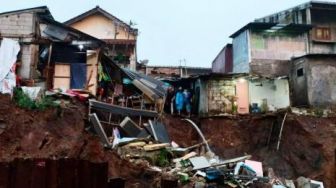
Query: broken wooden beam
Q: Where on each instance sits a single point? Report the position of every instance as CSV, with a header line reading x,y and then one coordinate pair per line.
x,y
153,147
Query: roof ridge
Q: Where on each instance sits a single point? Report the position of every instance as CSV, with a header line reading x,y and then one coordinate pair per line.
x,y
95,10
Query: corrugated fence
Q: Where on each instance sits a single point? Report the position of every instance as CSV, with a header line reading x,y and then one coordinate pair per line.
x,y
47,173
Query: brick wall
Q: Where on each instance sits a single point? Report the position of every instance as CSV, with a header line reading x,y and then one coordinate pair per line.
x,y
220,93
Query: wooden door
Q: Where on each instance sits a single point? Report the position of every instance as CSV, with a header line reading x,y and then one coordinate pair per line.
x,y
242,94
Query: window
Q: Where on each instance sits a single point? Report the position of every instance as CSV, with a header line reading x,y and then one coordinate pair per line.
x,y
322,33
299,72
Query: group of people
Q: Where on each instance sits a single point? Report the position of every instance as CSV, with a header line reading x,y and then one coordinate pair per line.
x,y
179,100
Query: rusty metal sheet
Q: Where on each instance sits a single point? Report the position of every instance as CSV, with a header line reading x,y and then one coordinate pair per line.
x,y
4,175
85,174
38,174
100,171
52,173
67,173
21,173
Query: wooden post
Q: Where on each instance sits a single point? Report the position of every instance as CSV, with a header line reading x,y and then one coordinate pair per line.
x,y
48,66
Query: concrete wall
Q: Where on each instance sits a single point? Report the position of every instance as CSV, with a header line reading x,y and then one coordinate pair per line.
x,y
17,25
277,46
317,17
269,67
241,56
299,91
29,59
276,92
318,85
321,81
22,25
270,53
101,27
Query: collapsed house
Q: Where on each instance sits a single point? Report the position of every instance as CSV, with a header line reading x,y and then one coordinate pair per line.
x,y
52,55
59,57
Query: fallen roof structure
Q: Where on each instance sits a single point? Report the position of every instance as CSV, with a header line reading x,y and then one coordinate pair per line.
x,y
115,109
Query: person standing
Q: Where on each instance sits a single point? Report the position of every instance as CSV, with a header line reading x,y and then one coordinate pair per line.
x,y
179,100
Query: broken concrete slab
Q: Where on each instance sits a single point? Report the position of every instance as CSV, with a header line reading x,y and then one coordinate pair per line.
x,y
316,184
130,127
199,162
303,182
143,134
159,132
289,183
99,130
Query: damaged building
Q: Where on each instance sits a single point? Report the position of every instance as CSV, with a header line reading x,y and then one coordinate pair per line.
x,y
311,74
52,54
120,37
220,94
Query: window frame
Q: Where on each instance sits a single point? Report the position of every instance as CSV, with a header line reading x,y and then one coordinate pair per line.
x,y
324,31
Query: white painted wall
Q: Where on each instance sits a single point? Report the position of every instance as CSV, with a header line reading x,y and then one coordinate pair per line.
x,y
275,91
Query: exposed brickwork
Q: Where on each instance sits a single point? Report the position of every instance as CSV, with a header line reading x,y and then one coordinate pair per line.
x,y
16,24
220,95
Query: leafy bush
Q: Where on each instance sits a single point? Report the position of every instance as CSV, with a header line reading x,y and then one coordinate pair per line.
x,y
24,101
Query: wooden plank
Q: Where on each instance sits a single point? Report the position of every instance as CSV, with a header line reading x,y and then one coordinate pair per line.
x,y
63,83
92,72
62,76
62,70
153,147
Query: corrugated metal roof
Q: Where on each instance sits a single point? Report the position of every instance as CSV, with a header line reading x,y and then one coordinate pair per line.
x,y
273,27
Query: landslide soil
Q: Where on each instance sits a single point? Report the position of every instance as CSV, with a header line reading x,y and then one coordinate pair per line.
x,y
35,134
307,147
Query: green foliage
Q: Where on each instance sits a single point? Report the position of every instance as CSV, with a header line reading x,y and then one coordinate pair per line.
x,y
162,159
318,112
23,101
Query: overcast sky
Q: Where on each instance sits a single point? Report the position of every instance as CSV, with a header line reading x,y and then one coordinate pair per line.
x,y
170,30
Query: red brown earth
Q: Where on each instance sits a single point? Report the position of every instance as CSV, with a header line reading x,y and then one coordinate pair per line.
x,y
34,134
307,147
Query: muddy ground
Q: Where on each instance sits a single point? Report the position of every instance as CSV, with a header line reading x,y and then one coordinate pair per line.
x,y
33,134
307,147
